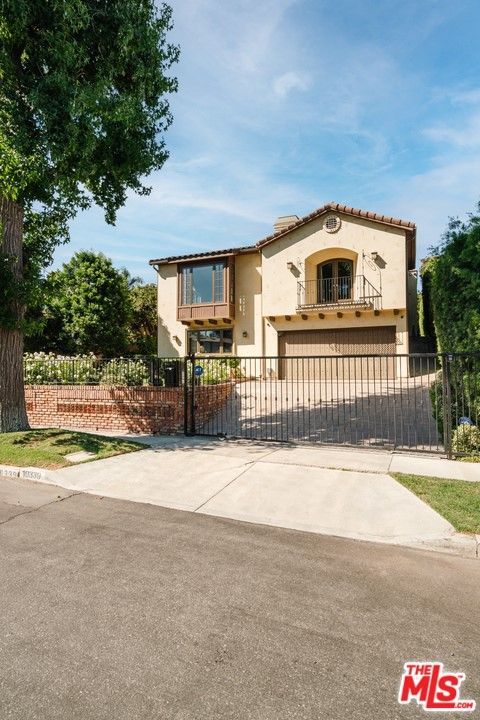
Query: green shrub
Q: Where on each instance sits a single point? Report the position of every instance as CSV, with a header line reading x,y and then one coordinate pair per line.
x,y
214,372
50,369
236,372
436,400
42,368
464,394
122,371
466,439
455,285
471,392
219,370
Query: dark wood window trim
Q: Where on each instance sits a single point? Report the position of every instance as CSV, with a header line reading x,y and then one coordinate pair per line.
x,y
218,270
216,308
221,332
338,288
334,261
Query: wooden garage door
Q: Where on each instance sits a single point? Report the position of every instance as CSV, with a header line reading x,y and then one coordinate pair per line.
x,y
331,345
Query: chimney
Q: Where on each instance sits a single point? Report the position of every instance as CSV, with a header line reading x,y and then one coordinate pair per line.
x,y
284,221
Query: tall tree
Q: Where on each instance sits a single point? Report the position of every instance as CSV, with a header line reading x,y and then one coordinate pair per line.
x,y
83,109
425,306
144,319
89,302
455,286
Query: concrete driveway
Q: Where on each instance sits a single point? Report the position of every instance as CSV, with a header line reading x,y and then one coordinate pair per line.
x,y
358,412
285,486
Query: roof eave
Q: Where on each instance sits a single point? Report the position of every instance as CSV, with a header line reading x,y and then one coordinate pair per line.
x,y
337,207
199,257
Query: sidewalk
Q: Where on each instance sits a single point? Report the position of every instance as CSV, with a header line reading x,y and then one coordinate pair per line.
x,y
347,458
332,491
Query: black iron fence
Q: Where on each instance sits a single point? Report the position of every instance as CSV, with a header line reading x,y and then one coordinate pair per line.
x,y
422,402
50,369
455,397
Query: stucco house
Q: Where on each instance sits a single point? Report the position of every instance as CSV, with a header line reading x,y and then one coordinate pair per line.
x,y
339,281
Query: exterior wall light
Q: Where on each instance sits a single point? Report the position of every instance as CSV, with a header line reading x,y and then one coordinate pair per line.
x,y
244,333
290,265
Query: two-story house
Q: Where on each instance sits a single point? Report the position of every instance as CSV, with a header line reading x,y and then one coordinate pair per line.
x,y
339,281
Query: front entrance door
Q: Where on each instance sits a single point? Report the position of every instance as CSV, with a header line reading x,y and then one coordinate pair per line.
x,y
334,281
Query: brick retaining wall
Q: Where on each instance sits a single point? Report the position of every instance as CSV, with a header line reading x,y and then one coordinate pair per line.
x,y
128,409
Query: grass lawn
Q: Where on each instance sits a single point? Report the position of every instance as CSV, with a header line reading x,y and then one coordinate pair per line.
x,y
46,448
457,500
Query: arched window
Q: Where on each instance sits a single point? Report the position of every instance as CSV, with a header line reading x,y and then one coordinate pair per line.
x,y
334,281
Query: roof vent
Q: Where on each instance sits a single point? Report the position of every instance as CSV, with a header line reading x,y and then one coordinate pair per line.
x,y
283,222
332,223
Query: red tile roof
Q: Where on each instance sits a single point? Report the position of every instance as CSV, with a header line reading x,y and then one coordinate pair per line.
x,y
199,256
337,207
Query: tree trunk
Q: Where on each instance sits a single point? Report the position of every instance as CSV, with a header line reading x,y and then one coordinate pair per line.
x,y
13,414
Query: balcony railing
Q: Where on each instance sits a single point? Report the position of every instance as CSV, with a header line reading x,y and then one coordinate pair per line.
x,y
348,292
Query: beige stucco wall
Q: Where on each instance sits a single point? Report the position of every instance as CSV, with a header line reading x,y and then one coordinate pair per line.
x,y
171,333
311,244
248,305
248,310
265,287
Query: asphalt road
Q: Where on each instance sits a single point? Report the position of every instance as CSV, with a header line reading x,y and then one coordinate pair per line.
x,y
114,610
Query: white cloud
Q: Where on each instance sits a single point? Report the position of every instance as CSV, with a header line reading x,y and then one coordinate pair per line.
x,y
252,198
202,161
467,136
289,81
449,189
465,97
237,162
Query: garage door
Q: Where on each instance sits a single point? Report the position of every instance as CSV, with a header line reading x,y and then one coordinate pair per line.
x,y
298,347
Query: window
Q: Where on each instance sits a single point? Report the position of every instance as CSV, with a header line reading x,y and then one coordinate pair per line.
x,y
203,283
334,281
210,341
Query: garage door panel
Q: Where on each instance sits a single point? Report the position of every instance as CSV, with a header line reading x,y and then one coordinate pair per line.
x,y
301,346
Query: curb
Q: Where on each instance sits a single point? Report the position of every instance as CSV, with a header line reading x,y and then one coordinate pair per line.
x,y
458,544
26,473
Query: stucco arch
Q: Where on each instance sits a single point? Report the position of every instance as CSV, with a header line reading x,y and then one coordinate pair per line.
x,y
331,253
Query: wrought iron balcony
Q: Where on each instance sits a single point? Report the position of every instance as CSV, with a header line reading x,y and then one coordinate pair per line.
x,y
346,292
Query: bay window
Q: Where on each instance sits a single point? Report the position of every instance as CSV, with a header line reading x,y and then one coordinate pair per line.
x,y
203,283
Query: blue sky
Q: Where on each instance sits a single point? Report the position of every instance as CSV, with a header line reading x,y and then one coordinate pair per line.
x,y
284,105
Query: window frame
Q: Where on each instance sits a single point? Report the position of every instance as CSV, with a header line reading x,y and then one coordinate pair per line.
x,y
335,290
221,330
187,301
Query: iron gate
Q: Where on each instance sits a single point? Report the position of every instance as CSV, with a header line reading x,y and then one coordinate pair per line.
x,y
418,402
